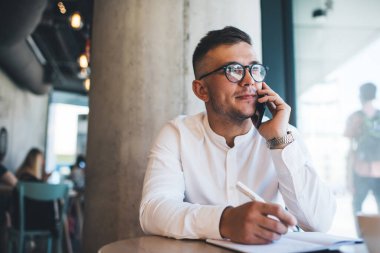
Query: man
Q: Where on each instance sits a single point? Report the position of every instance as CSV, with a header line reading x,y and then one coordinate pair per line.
x,y
196,161
363,129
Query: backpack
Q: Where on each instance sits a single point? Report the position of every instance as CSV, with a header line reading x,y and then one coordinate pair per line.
x,y
368,145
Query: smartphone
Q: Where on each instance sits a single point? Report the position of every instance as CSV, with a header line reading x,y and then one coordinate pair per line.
x,y
258,115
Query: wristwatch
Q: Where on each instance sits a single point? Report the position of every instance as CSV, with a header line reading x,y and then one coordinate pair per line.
x,y
275,142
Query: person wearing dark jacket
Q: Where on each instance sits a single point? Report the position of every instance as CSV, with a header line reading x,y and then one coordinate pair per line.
x,y
38,214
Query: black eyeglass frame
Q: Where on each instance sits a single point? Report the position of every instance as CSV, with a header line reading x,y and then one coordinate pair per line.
x,y
224,67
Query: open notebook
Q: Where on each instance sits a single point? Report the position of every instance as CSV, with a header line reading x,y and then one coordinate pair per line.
x,y
291,242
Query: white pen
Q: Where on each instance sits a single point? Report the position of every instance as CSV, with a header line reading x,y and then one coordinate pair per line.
x,y
248,192
253,196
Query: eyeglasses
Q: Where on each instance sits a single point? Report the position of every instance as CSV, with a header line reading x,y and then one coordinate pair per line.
x,y
235,72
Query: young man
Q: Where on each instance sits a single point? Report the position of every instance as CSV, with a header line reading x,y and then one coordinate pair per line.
x,y
363,130
196,161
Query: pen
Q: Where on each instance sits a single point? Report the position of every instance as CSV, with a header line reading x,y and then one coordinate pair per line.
x,y
253,196
248,192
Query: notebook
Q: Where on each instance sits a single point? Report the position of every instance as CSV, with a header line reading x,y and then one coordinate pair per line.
x,y
291,243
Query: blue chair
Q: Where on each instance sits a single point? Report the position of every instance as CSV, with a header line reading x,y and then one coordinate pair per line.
x,y
39,192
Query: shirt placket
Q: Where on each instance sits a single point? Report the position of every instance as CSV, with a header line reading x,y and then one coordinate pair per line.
x,y
231,177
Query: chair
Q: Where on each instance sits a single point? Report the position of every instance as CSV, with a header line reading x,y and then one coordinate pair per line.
x,y
39,192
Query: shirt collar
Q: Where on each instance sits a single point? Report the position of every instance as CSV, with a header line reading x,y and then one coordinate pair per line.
x,y
221,141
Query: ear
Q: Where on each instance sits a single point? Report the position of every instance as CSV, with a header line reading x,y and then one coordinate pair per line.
x,y
200,90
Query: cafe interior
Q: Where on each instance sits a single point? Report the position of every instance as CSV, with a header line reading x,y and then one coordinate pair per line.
x,y
86,85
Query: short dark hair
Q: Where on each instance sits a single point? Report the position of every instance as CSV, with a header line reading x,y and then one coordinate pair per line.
x,y
367,92
229,35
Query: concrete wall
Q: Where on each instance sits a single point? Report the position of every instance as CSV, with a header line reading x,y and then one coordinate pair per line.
x,y
24,115
141,78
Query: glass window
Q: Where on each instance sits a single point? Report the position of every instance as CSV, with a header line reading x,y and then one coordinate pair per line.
x,y
67,133
337,49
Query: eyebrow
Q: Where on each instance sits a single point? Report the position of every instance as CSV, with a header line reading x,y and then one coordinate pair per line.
x,y
232,62
255,62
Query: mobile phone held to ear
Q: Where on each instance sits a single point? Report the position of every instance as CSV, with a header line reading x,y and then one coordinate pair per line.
x,y
257,117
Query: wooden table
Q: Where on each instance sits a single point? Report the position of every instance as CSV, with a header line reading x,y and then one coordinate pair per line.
x,y
158,244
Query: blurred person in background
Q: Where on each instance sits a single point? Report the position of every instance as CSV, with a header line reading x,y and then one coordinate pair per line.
x,y
363,130
6,177
39,215
9,181
75,216
32,168
77,172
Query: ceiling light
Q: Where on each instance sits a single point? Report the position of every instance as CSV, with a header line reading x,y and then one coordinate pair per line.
x,y
87,84
61,7
76,21
83,61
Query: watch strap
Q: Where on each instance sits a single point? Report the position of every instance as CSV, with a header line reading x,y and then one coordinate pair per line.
x,y
275,142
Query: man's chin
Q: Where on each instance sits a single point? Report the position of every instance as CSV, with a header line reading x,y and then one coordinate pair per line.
x,y
243,116
246,114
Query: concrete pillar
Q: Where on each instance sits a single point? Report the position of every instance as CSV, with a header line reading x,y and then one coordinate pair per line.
x,y
142,73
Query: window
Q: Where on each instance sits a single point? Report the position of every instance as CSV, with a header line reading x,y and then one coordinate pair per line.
x,y
335,54
67,132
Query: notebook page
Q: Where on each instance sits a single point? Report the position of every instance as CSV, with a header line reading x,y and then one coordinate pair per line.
x,y
284,245
321,238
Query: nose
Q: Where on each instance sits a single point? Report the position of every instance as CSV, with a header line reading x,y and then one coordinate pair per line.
x,y
247,79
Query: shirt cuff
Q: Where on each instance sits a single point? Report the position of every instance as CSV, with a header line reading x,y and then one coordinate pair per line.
x,y
209,221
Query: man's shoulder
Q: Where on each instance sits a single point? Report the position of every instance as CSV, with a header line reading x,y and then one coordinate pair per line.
x,y
189,124
183,128
189,120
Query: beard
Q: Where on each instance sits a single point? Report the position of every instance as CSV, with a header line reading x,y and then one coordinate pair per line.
x,y
232,114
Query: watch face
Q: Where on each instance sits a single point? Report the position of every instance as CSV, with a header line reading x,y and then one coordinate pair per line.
x,y
3,142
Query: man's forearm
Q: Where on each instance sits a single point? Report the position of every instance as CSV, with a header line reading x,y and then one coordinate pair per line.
x,y
177,219
305,194
311,201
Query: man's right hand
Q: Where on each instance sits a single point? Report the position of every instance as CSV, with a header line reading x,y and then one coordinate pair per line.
x,y
250,224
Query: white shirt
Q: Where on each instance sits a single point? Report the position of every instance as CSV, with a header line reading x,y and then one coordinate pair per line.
x,y
192,174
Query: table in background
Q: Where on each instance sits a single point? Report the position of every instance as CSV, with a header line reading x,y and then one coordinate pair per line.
x,y
158,244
